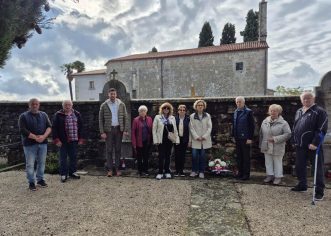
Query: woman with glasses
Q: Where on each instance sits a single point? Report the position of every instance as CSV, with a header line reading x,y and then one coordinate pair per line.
x,y
182,123
200,129
164,129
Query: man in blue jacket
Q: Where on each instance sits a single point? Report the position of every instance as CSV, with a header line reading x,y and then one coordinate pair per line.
x,y
243,131
310,121
34,127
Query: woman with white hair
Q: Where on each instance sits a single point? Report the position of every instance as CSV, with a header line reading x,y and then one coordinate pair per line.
x,y
200,129
274,133
142,139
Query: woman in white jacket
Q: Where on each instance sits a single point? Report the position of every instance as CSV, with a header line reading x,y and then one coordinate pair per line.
x,y
274,133
163,124
200,130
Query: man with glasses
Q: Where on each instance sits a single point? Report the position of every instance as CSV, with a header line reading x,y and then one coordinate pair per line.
x,y
34,127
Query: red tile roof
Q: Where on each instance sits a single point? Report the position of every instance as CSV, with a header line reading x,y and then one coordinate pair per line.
x,y
195,51
91,72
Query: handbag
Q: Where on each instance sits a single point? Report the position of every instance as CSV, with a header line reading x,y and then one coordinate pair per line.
x,y
171,135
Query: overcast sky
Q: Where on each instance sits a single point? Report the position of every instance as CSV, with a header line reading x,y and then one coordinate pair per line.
x,y
299,36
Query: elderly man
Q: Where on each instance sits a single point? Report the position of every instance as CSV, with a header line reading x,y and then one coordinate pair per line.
x,y
310,121
243,131
67,134
113,123
34,127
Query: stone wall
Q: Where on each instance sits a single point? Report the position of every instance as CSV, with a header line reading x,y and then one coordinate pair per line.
x,y
221,110
212,75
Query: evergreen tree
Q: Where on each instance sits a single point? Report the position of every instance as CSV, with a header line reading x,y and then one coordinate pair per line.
x,y
251,32
18,20
206,37
228,34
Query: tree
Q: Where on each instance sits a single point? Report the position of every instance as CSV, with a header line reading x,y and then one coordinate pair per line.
x,y
18,20
251,32
154,49
68,70
228,34
206,37
281,90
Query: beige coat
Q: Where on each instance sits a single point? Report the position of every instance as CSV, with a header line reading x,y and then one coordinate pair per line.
x,y
158,127
279,130
200,128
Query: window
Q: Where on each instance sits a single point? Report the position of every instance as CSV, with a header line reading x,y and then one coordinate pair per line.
x,y
91,85
239,66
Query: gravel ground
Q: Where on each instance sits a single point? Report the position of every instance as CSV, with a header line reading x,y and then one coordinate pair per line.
x,y
278,211
93,206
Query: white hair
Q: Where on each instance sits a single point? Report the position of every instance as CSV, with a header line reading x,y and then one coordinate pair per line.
x,y
241,98
142,108
65,101
310,94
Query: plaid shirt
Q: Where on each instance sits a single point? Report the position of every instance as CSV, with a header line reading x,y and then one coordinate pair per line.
x,y
71,127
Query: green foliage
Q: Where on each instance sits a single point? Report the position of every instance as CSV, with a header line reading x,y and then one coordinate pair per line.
x,y
206,37
154,49
251,32
281,90
69,68
228,34
18,20
52,163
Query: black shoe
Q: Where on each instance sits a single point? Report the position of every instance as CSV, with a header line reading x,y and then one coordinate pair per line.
x,y
238,176
244,178
319,196
42,183
32,187
181,174
74,176
146,173
298,188
176,174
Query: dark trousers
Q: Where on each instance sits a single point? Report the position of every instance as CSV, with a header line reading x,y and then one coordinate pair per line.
x,y
180,151
142,157
243,151
302,156
68,149
164,156
113,141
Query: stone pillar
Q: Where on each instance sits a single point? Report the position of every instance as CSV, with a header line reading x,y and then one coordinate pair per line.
x,y
263,21
323,98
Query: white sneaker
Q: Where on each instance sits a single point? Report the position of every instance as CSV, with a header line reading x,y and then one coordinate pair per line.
x,y
63,178
159,176
193,174
168,176
201,175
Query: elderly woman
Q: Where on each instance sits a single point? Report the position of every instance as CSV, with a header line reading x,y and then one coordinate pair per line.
x,y
164,135
274,133
142,139
182,123
200,129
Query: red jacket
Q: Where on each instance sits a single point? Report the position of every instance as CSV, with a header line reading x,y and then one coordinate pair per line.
x,y
136,135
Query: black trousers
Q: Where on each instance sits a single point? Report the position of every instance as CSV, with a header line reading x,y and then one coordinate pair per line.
x,y
243,151
180,151
164,156
142,157
302,156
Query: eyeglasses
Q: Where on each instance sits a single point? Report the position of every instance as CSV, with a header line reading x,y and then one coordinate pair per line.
x,y
181,109
165,108
200,105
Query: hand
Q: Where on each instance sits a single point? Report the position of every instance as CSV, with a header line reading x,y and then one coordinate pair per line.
x,y
103,135
312,147
249,141
199,139
271,140
189,144
40,138
125,133
80,142
203,138
59,144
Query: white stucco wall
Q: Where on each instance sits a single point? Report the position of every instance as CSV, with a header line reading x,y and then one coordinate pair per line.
x,y
82,90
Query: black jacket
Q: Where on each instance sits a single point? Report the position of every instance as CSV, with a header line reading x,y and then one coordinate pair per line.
x,y
186,131
307,126
58,128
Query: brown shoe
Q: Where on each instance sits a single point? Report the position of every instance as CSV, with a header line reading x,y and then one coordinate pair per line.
x,y
118,173
109,174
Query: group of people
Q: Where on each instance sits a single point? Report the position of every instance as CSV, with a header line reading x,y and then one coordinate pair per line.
x,y
180,131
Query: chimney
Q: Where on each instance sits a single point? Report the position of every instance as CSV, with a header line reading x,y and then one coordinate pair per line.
x,y
263,21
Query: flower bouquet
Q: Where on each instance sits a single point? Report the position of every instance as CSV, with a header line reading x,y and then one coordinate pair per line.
x,y
221,160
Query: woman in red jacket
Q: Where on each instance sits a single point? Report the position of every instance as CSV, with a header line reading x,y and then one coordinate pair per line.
x,y
142,139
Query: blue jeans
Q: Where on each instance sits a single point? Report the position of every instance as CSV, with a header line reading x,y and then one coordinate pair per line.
x,y
35,153
198,160
68,149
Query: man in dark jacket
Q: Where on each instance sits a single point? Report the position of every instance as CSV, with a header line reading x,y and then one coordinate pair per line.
x,y
34,127
67,134
310,121
243,131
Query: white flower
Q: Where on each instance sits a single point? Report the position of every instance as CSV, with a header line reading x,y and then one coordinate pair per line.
x,y
211,164
223,163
